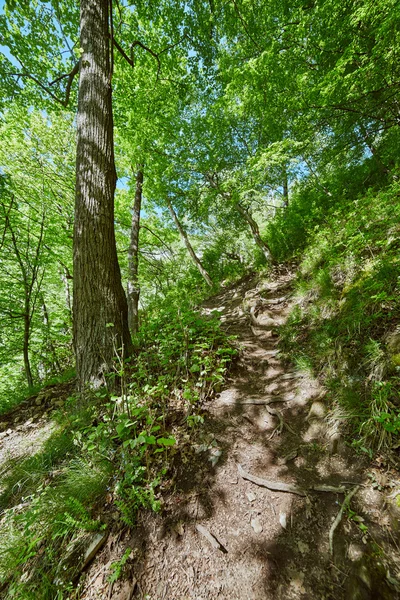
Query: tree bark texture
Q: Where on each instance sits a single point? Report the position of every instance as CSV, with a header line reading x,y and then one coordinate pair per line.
x,y
133,287
255,232
189,246
100,308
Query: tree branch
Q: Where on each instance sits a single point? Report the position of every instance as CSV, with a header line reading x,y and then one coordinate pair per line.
x,y
70,76
131,60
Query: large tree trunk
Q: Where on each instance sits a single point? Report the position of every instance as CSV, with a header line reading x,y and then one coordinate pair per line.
x,y
188,245
100,309
255,232
133,286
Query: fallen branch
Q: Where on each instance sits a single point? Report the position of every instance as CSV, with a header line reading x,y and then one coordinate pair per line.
x,y
213,540
340,515
278,486
275,486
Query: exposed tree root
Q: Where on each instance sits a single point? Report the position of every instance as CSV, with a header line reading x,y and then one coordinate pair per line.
x,y
340,515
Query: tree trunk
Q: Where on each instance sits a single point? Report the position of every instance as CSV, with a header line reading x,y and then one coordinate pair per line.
x,y
255,232
27,331
188,245
100,308
51,348
133,287
65,277
285,189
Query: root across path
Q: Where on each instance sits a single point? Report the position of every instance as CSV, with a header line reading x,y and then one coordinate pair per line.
x,y
272,504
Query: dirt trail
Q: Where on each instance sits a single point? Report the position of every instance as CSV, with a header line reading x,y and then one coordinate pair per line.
x,y
221,536
272,545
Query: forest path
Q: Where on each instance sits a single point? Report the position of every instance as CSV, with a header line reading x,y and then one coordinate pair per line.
x,y
273,545
221,536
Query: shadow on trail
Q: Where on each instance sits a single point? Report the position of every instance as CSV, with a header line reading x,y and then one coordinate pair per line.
x,y
271,421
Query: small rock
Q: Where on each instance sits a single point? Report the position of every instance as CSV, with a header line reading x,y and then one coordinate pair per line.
x,y
256,525
355,552
250,496
283,519
317,411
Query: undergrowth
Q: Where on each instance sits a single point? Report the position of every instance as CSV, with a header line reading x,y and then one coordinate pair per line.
x,y
345,323
110,455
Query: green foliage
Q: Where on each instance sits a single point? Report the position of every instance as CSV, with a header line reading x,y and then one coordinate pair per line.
x,y
348,304
183,359
122,445
118,567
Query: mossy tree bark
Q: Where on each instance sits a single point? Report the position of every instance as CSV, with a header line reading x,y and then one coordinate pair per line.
x,y
100,308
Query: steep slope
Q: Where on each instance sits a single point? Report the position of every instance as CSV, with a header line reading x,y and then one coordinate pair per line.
x,y
223,535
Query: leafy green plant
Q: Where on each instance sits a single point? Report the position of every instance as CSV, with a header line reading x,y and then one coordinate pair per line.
x,y
117,567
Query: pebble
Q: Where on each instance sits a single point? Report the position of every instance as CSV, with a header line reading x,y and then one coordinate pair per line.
x,y
256,525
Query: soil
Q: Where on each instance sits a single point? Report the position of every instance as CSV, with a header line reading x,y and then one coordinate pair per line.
x,y
222,536
254,543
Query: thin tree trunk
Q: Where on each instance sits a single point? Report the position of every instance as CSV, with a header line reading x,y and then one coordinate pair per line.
x,y
188,245
285,189
100,309
27,331
50,345
133,287
29,278
255,232
65,277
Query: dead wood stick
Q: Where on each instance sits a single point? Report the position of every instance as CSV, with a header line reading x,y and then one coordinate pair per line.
x,y
340,515
276,486
213,540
